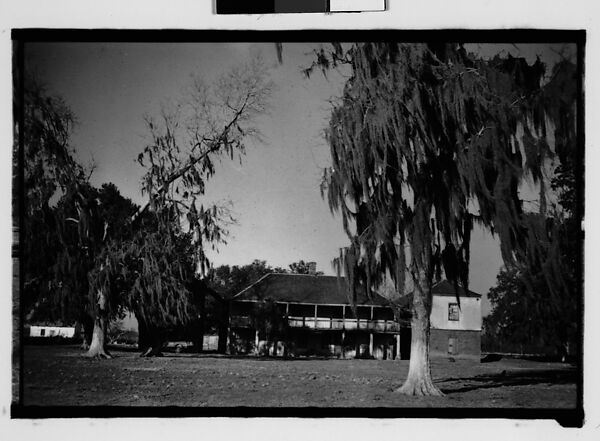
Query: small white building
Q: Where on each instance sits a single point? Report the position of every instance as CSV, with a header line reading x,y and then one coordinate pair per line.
x,y
52,331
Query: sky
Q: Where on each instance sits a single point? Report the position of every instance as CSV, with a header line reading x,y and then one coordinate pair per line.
x,y
281,217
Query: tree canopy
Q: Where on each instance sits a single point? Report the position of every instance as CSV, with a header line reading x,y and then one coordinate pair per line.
x,y
445,150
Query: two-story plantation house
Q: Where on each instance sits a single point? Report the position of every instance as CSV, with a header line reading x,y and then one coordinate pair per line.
x,y
321,321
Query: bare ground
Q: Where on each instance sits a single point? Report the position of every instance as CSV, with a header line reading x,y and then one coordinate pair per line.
x,y
59,376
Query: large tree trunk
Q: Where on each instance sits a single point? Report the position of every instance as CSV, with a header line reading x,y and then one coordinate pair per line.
x,y
143,337
197,335
200,325
156,346
98,344
87,331
418,381
223,327
151,340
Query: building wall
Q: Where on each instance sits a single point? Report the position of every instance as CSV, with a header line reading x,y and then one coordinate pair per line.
x,y
469,313
51,331
128,323
464,344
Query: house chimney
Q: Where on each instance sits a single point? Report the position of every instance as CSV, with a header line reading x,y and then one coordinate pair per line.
x,y
312,268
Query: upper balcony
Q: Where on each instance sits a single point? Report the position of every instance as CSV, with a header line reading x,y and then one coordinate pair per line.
x,y
325,323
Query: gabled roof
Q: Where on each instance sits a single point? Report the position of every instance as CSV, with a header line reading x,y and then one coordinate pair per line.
x,y
445,288
304,288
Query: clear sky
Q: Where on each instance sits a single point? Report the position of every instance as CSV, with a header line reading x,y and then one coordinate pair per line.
x,y
275,192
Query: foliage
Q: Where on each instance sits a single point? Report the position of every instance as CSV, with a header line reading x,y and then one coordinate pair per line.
x,y
48,161
230,280
48,168
425,142
66,220
302,267
211,123
83,222
523,312
152,271
269,320
525,318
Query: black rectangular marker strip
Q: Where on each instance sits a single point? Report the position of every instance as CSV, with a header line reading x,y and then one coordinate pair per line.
x,y
296,6
245,7
291,6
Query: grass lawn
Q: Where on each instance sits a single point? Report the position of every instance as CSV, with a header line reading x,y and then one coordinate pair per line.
x,y
58,375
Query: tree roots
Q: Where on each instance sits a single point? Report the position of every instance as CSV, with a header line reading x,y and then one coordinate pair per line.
x,y
420,388
151,352
100,355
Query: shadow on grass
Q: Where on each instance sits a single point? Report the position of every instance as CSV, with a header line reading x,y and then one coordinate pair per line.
x,y
507,379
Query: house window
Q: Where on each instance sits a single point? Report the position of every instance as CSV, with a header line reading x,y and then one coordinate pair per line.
x,y
453,312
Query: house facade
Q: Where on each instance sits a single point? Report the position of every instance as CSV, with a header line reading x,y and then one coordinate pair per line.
x,y
320,320
455,328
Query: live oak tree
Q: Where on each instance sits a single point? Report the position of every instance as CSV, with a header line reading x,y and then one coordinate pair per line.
x,y
86,221
151,273
211,123
426,141
67,221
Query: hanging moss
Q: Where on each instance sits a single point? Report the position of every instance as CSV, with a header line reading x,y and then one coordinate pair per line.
x,y
443,126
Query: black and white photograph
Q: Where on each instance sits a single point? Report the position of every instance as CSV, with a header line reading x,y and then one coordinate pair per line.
x,y
333,223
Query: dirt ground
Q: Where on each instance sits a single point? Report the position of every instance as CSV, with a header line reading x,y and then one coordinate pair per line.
x,y
58,375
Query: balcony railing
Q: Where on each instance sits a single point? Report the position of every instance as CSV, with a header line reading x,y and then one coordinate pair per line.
x,y
329,323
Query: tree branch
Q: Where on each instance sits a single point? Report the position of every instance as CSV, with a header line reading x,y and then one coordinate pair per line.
x,y
216,145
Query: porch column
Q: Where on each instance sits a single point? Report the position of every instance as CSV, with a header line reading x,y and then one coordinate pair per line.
x,y
397,346
256,342
343,330
371,344
228,341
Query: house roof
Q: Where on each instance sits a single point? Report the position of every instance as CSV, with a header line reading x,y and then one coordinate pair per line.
x,y
445,288
304,288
